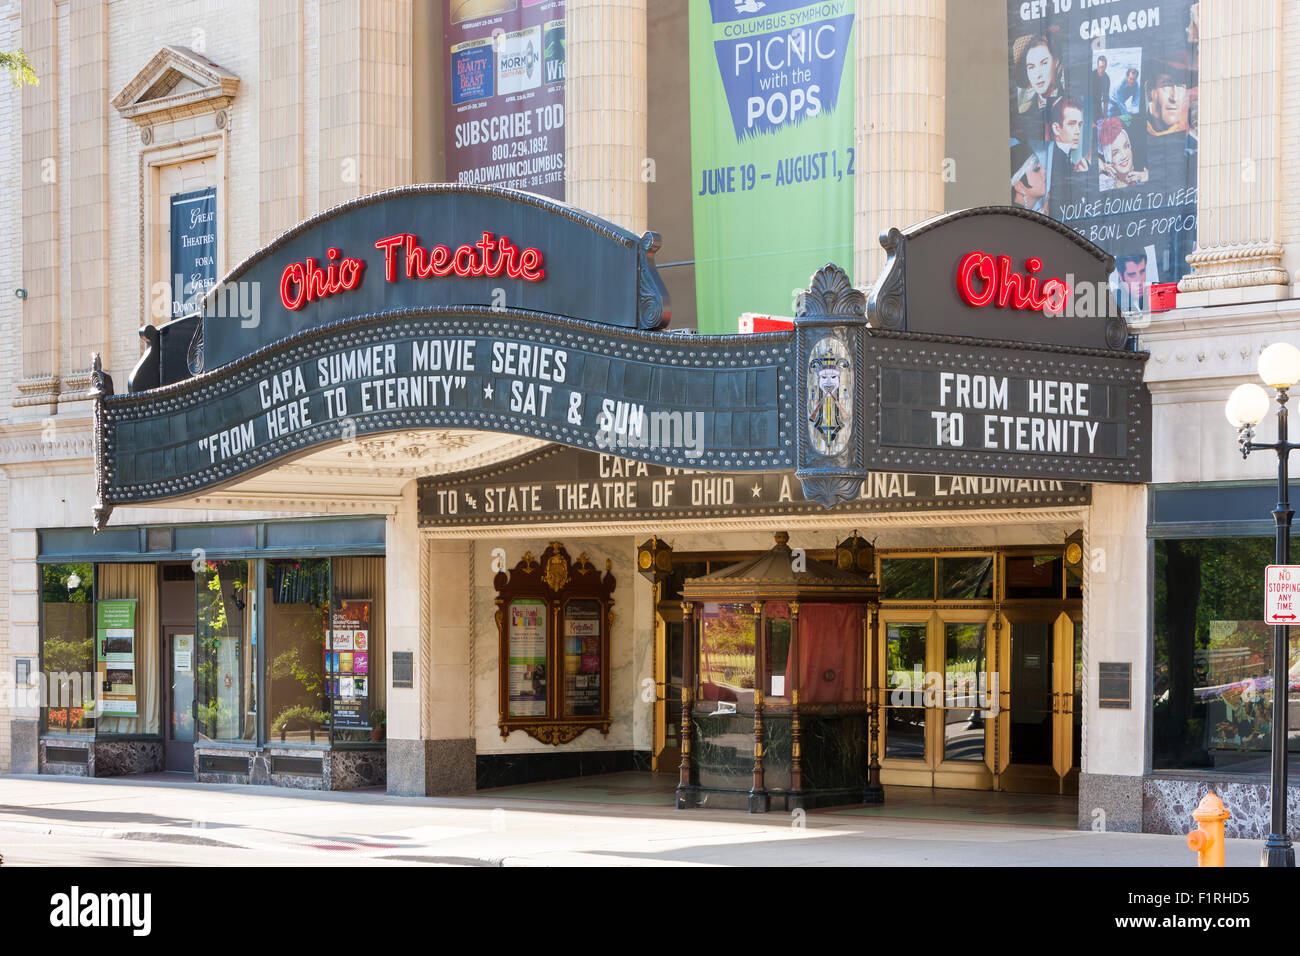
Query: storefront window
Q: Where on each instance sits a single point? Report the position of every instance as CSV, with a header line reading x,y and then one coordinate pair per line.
x,y
1212,693
727,649
356,654
225,686
297,607
126,622
68,647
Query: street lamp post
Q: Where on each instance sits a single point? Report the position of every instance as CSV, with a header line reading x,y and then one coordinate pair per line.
x,y
1279,367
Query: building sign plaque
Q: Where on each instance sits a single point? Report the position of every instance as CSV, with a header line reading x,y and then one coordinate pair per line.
x,y
1116,685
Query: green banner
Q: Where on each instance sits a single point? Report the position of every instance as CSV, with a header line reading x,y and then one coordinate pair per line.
x,y
772,151
115,635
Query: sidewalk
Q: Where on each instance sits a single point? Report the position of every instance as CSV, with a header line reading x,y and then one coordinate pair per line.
x,y
269,824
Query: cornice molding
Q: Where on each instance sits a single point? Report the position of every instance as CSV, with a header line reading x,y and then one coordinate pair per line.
x,y
25,449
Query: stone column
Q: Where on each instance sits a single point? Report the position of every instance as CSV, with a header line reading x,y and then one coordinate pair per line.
x,y
605,110
24,641
429,604
1115,593
87,330
1238,255
899,125
365,98
39,385
281,111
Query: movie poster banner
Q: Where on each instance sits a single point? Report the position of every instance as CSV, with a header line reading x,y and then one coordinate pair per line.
x,y
347,663
1104,128
527,662
772,151
504,113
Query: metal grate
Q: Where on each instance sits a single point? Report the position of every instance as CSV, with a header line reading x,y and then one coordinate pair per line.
x,y
66,755
304,766
214,764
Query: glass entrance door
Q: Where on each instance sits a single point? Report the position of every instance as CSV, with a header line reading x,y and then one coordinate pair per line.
x,y
936,700
178,659
666,757
1040,720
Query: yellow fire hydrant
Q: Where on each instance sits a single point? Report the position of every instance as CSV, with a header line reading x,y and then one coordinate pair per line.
x,y
1207,838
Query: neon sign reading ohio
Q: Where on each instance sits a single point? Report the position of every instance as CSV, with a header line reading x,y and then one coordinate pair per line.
x,y
984,279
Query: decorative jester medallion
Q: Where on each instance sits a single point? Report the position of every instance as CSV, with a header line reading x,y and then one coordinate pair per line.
x,y
830,405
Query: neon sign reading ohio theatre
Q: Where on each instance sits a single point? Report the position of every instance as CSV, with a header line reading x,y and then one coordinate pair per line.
x,y
490,257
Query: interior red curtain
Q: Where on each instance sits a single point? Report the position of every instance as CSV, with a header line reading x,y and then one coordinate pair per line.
x,y
830,645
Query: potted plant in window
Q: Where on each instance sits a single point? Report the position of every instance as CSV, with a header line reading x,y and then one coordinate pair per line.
x,y
378,722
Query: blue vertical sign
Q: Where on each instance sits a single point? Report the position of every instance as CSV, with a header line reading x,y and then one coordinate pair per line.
x,y
194,248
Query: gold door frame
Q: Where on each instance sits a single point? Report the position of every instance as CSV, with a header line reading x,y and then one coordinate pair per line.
x,y
933,770
902,771
663,759
1060,775
962,774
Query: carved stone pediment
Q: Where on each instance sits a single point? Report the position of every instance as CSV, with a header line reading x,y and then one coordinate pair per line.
x,y
176,83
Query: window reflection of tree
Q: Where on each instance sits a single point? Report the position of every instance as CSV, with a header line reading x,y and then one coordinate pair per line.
x,y
221,627
296,623
68,644
1211,683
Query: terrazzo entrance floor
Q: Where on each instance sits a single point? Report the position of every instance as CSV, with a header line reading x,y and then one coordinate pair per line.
x,y
972,806
902,803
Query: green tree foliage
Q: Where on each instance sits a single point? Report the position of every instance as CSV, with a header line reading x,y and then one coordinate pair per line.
x,y
19,67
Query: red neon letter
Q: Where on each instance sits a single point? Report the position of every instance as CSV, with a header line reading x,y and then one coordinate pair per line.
x,y
982,264
389,245
291,292
530,261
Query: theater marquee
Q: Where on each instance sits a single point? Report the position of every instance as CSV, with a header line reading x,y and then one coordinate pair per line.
x,y
557,485
475,308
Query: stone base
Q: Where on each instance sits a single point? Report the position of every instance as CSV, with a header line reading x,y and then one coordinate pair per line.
x,y
296,768
24,745
506,770
428,768
99,758
1168,802
1110,803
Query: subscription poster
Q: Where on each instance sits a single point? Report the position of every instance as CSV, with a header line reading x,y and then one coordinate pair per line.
x,y
1103,103
504,111
772,152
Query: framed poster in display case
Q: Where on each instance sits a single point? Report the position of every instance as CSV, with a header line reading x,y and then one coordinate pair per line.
x,y
554,618
346,667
